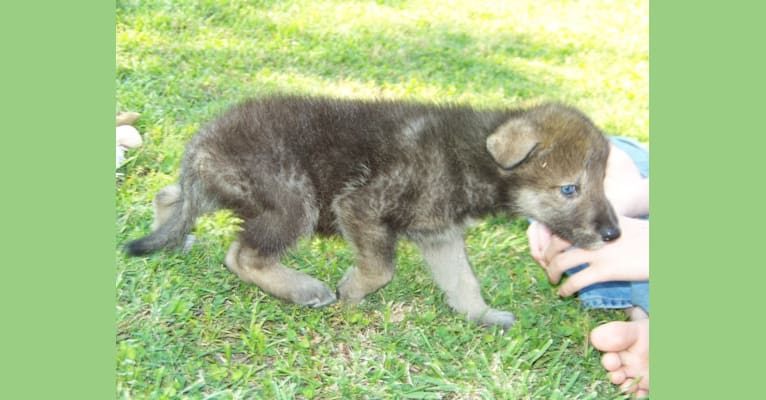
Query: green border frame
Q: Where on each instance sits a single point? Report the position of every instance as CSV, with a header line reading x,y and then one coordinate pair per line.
x,y
57,289
707,79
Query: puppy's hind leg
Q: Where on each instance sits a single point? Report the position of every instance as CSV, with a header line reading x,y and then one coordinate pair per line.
x,y
277,280
446,257
267,233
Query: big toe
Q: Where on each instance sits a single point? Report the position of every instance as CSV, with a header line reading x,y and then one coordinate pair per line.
x,y
613,336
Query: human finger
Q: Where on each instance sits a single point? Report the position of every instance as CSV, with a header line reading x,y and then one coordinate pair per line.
x,y
563,259
534,243
539,237
569,259
581,279
555,246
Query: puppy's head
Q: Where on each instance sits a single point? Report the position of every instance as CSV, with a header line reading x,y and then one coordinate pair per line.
x,y
554,160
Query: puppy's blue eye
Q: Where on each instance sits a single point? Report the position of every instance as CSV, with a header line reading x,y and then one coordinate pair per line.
x,y
569,190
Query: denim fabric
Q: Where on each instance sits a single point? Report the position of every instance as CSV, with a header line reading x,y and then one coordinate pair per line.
x,y
620,294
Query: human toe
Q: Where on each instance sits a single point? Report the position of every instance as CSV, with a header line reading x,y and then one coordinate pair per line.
x,y
617,377
613,336
611,361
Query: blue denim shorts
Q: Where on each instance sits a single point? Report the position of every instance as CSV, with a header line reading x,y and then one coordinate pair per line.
x,y
620,294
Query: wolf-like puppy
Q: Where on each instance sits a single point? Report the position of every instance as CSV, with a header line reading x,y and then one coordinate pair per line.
x,y
377,171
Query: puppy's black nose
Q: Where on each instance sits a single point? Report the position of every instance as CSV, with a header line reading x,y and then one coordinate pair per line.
x,y
609,233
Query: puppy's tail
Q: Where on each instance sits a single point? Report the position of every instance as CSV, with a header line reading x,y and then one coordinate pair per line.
x,y
172,230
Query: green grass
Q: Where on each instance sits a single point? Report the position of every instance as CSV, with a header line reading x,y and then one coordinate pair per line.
x,y
187,328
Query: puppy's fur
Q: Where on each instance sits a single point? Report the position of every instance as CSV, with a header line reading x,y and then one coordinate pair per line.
x,y
378,171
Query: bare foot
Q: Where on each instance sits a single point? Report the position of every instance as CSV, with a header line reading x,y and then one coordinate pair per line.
x,y
626,354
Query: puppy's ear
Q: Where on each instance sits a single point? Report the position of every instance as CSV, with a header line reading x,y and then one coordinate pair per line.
x,y
512,142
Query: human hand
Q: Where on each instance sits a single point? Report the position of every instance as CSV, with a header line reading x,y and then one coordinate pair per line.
x,y
624,259
624,187
539,237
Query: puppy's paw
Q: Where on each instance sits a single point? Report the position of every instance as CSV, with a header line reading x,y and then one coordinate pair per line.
x,y
314,294
492,317
356,285
347,293
188,243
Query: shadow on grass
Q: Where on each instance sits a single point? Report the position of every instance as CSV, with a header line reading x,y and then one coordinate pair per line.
x,y
440,56
447,60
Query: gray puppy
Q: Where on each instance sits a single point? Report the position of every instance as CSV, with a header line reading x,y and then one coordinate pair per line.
x,y
377,171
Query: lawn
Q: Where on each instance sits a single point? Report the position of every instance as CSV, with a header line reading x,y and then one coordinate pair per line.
x,y
187,328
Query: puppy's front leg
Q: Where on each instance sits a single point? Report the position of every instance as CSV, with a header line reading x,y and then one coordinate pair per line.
x,y
446,257
375,248
374,243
